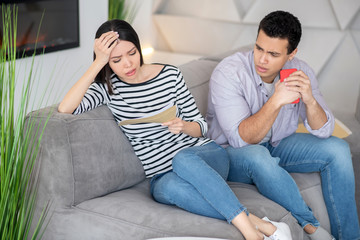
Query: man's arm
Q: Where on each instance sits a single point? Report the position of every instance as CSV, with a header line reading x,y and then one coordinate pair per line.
x,y
238,108
254,128
315,114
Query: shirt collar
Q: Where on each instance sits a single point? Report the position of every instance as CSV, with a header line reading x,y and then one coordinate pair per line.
x,y
256,77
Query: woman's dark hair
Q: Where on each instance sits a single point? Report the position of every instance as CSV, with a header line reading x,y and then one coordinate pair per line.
x,y
284,25
127,33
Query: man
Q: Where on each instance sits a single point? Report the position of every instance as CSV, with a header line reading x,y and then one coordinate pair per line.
x,y
253,112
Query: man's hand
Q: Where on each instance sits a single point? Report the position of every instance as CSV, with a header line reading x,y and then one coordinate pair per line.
x,y
299,82
283,95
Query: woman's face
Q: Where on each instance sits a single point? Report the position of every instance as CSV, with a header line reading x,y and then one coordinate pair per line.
x,y
125,61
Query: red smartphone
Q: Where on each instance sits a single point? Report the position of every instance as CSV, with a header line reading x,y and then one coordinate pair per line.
x,y
284,73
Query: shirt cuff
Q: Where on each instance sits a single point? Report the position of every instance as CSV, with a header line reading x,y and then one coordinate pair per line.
x,y
203,127
326,130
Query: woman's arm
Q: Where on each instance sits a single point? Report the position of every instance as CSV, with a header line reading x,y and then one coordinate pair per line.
x,y
102,49
192,122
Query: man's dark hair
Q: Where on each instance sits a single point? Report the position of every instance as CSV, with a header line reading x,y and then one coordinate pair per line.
x,y
284,25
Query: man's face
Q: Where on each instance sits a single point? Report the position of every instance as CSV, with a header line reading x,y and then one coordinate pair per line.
x,y
270,55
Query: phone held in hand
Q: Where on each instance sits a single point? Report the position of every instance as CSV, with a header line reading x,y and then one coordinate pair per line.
x,y
284,73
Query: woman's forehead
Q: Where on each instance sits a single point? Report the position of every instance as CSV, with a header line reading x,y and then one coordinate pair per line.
x,y
122,47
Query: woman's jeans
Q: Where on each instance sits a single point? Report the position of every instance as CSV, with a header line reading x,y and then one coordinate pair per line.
x,y
268,168
197,183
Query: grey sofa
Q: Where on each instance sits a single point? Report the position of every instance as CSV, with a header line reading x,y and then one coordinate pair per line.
x,y
98,189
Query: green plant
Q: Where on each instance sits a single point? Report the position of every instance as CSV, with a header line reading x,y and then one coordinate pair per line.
x,y
18,150
121,9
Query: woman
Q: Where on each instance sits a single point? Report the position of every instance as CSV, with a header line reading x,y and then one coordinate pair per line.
x,y
175,153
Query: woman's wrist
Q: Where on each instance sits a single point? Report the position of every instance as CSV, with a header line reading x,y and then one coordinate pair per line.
x,y
99,63
192,129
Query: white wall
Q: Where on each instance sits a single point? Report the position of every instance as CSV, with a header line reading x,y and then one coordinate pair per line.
x,y
63,68
143,23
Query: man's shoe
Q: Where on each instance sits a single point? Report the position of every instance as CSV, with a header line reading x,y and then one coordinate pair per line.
x,y
282,231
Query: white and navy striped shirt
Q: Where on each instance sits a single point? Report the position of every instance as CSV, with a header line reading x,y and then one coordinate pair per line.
x,y
154,144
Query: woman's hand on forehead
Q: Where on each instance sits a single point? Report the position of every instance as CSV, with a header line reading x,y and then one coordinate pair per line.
x,y
104,45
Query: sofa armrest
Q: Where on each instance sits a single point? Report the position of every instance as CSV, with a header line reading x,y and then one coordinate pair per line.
x,y
357,111
54,157
82,156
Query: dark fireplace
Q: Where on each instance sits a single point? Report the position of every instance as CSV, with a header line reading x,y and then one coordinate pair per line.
x,y
59,28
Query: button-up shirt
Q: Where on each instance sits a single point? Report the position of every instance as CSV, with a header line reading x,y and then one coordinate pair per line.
x,y
237,92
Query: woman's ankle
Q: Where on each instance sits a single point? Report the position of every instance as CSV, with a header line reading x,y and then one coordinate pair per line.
x,y
243,223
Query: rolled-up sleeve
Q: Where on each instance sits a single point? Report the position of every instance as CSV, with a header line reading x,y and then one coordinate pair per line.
x,y
95,96
186,103
229,104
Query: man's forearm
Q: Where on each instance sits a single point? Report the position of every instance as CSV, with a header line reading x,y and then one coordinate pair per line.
x,y
315,115
253,129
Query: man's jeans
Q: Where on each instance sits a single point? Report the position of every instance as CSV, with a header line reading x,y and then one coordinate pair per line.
x,y
268,168
197,183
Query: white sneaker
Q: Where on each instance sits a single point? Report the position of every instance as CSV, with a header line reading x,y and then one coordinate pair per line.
x,y
282,231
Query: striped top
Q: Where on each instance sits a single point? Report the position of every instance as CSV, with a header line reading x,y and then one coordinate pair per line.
x,y
153,144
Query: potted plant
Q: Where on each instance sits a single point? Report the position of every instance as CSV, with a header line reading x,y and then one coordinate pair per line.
x,y
122,9
18,166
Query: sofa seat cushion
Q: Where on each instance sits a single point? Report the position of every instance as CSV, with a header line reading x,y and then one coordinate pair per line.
x,y
136,208
309,185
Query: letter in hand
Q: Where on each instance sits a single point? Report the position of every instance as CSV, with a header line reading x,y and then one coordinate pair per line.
x,y
284,73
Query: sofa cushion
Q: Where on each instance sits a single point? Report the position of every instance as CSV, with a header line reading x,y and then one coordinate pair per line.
x,y
133,214
309,185
94,158
103,159
357,111
138,216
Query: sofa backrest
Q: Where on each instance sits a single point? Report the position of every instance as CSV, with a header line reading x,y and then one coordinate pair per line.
x,y
357,111
197,75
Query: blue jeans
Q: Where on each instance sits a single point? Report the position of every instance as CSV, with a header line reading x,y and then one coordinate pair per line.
x,y
197,183
268,168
